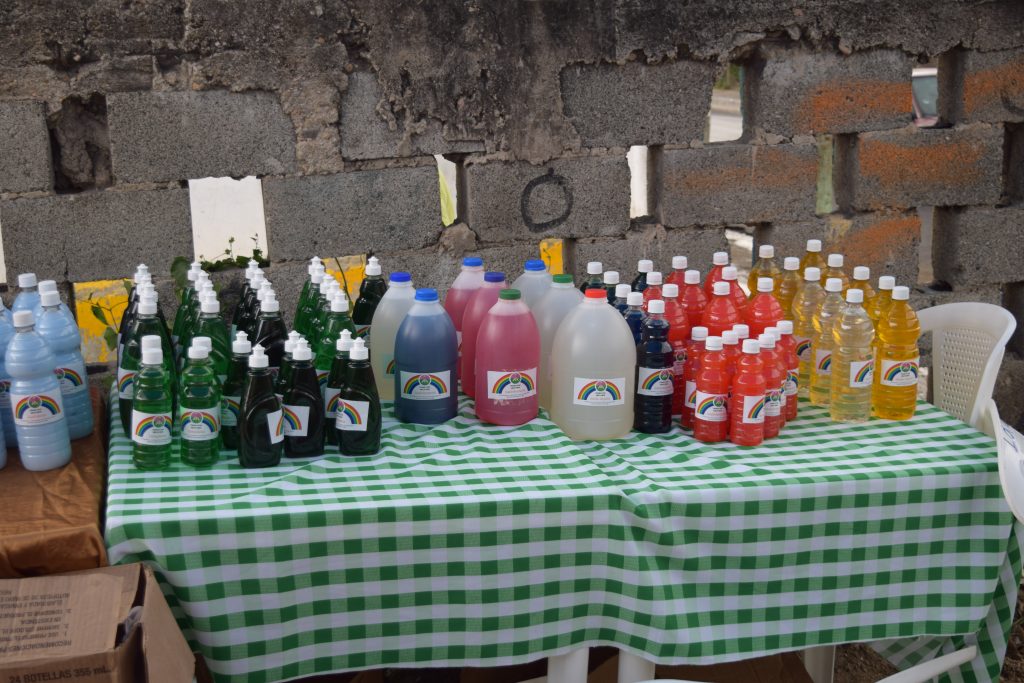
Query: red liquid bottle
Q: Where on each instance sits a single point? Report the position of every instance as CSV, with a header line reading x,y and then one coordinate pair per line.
x,y
731,351
787,349
764,309
739,297
780,363
678,336
774,378
719,260
711,415
694,353
678,275
746,406
653,290
693,298
720,314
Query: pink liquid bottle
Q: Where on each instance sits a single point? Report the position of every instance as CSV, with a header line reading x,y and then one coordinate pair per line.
x,y
462,290
507,357
482,301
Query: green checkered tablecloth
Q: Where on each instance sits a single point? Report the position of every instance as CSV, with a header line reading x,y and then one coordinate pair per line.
x,y
468,544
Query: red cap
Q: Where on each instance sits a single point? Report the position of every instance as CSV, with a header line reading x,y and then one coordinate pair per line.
x,y
597,294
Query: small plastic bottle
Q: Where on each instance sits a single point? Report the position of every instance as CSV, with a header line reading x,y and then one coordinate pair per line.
x,y
720,314
812,257
469,279
789,285
835,270
653,290
621,302
822,343
746,404
678,337
549,314
146,323
426,361
593,279
482,301
882,301
305,309
336,382
694,353
185,305
643,266
693,298
152,423
786,347
719,261
507,358
388,315
731,351
774,379
634,315
231,393
239,313
739,297
303,406
711,403
245,320
308,287
804,308
765,266
284,373
655,360
764,309
270,333
358,420
371,293
199,410
611,281
141,275
678,275
28,293
64,340
534,281
51,286
212,325
782,365
742,331
337,321
261,427
896,371
853,360
862,281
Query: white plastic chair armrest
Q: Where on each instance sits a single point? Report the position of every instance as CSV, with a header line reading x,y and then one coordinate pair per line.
x,y
926,671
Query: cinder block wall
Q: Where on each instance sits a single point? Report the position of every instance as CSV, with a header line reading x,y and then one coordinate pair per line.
x,y
108,108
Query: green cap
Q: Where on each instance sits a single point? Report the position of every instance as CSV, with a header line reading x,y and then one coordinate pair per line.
x,y
563,278
509,295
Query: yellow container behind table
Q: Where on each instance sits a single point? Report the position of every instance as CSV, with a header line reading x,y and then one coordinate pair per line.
x,y
894,396
804,307
823,343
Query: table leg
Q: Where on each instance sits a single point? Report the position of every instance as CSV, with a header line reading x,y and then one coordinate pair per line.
x,y
570,667
633,669
820,663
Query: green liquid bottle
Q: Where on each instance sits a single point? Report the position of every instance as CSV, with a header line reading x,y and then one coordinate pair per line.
x,y
152,423
185,305
199,411
203,288
335,381
371,291
146,323
358,418
261,425
236,315
284,375
309,289
246,320
337,321
304,420
231,393
319,310
212,325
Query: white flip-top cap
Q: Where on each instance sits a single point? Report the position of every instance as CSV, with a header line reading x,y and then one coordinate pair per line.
x,y
900,293
302,351
712,343
250,269
193,271
765,284
258,358
49,299
325,284
698,333
862,273
766,341
47,286
344,342
196,352
294,336
730,337
151,341
23,318
720,258
835,260
622,292
679,263
241,343
289,345
140,270
854,296
265,289
784,326
691,277
270,304
833,284
258,278
148,288
656,306
359,350
791,263
635,299
373,266
152,356
317,276
742,330
812,274
751,346
611,277
594,268
645,265
339,302
26,280
203,342
209,304
720,288
315,261
147,304
729,273
654,278
766,251
202,276
670,291
813,245
886,282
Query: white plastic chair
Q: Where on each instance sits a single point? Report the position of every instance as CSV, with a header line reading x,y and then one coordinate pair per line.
x,y
1010,445
568,668
968,340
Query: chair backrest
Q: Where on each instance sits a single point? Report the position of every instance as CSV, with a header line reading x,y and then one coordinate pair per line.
x,y
968,340
1010,445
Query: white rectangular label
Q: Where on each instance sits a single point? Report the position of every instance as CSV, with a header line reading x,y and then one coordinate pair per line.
x,y
275,424
230,409
803,347
588,391
654,382
296,420
352,416
691,394
511,386
823,361
792,383
151,429
711,407
861,373
331,401
37,409
900,373
200,424
72,378
753,409
125,384
773,401
679,362
426,386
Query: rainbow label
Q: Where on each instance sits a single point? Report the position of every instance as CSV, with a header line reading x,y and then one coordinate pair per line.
x,y
587,391
72,380
321,379
199,425
151,429
823,361
295,420
753,409
691,394
352,416
900,373
511,386
230,411
861,373
362,332
773,402
331,401
711,407
425,386
389,367
803,348
654,382
125,384
275,425
36,409
792,383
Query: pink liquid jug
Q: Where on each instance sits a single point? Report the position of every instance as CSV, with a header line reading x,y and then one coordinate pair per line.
x,y
507,358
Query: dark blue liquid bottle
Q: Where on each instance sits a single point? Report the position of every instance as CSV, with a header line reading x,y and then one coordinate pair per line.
x,y
426,356
634,314
652,410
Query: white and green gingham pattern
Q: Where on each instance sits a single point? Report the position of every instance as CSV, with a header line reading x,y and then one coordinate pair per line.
x,y
470,544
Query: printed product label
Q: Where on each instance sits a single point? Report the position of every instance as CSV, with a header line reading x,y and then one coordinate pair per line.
x,y
36,409
753,409
230,409
680,361
321,378
823,361
803,347
861,373
711,407
275,423
331,401
352,416
773,401
125,384
792,383
587,391
151,429
507,386
199,425
691,394
654,382
296,420
362,332
71,378
782,394
426,386
389,366
900,373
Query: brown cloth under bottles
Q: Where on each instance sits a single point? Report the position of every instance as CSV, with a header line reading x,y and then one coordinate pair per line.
x,y
50,522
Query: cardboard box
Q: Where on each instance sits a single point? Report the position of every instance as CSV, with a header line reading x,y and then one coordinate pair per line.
x,y
109,625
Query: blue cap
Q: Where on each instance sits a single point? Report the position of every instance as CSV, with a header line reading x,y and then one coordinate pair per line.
x,y
426,294
492,276
401,276
472,261
535,264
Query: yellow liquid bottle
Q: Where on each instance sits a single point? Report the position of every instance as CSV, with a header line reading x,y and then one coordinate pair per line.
x,y
812,257
853,361
835,269
894,396
822,343
862,281
765,267
880,306
789,286
804,307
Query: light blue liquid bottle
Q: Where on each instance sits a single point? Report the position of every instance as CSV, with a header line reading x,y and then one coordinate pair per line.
x,y
65,341
28,293
6,416
39,419
51,286
426,355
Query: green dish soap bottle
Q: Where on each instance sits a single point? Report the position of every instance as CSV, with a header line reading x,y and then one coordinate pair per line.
x,y
358,419
231,393
335,381
260,427
199,411
337,321
303,407
213,326
151,414
371,291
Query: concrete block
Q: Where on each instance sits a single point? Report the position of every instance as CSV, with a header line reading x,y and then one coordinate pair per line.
x,y
982,86
1015,163
979,245
655,242
796,92
96,235
574,197
159,136
616,105
25,160
723,184
924,167
352,213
